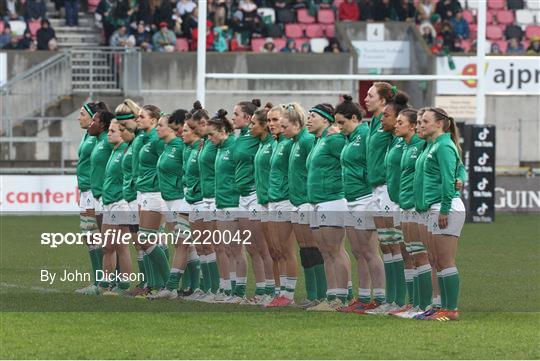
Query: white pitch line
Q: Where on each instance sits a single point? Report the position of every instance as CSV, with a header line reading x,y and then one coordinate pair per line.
x,y
33,288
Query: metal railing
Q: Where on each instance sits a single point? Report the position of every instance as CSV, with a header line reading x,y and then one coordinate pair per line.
x,y
25,100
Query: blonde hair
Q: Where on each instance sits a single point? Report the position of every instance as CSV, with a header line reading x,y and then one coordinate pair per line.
x,y
295,113
126,107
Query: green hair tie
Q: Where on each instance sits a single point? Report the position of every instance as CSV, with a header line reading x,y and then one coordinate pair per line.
x,y
394,89
88,110
162,114
324,114
125,116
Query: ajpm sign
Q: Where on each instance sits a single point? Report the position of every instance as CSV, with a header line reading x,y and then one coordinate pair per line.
x,y
504,75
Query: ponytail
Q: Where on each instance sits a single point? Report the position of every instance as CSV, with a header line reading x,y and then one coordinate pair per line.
x,y
220,122
348,108
449,125
250,107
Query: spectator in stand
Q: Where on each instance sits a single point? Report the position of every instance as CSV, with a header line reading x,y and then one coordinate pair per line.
x,y
515,47
428,33
164,13
449,37
257,27
290,47
515,4
13,44
495,49
209,36
513,31
121,38
12,10
384,10
53,45
425,9
333,46
248,7
269,46
305,48
218,9
365,8
26,41
72,12
460,25
164,40
447,8
190,23
35,10
5,37
185,7
142,12
220,43
141,37
44,35
406,11
534,47
348,11
299,4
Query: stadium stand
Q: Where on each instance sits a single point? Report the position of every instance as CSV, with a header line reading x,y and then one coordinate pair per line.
x,y
244,25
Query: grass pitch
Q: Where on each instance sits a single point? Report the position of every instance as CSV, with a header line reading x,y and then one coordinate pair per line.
x,y
500,306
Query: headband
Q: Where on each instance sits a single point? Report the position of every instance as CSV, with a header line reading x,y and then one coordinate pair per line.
x,y
125,116
394,89
324,114
88,110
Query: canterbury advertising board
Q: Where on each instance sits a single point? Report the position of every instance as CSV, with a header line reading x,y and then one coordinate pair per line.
x,y
505,75
26,194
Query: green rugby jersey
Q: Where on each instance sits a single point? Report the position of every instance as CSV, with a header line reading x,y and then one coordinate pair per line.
x,y
136,144
262,168
207,163
418,180
128,188
302,144
354,164
83,164
192,177
113,183
170,170
245,149
147,181
377,146
226,191
392,163
324,181
278,189
98,161
440,169
411,151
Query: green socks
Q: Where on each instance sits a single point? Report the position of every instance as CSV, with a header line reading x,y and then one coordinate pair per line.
x,y
206,283
142,268
320,276
96,260
174,279
311,283
270,287
260,288
388,260
214,272
450,278
240,288
409,280
416,290
425,288
399,280
159,263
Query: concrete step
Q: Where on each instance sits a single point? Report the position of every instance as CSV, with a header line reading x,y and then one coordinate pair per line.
x,y
84,21
81,38
76,30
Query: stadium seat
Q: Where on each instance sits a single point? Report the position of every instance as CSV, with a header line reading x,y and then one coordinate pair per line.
x,y
496,4
503,45
18,27
280,43
318,44
294,31
493,32
533,4
505,17
532,30
524,17
337,3
490,17
466,45
92,5
314,31
1,26
257,44
326,16
330,31
273,31
268,15
285,16
299,42
302,15
34,26
182,44
469,16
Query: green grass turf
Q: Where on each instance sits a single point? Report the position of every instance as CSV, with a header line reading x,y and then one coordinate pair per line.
x,y
500,306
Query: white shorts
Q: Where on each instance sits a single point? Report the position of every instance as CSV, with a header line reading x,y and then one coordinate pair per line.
x,y
249,208
409,216
280,211
456,219
264,214
86,201
422,218
329,214
382,206
152,201
358,215
210,211
196,211
227,214
139,198
116,213
302,215
98,205
133,213
175,208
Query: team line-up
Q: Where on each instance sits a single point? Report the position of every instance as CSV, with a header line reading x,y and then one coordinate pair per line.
x,y
389,185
